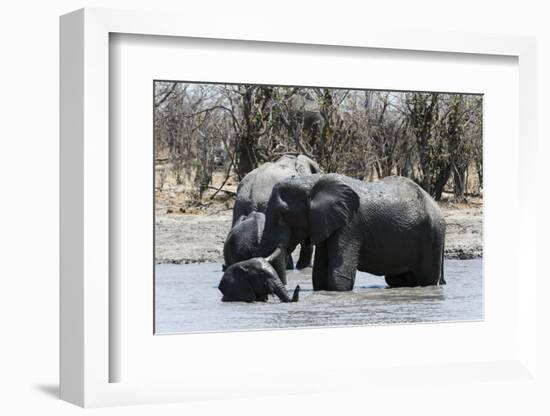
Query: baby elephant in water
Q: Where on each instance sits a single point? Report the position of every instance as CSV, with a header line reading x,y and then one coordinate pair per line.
x,y
253,280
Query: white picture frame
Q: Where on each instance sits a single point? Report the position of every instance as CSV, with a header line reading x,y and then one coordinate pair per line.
x,y
85,353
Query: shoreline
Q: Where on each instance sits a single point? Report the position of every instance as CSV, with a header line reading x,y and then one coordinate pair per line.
x,y
198,238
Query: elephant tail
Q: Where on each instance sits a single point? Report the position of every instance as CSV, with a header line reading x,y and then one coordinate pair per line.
x,y
442,272
296,294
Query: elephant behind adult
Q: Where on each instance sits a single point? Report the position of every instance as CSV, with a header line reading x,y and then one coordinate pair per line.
x,y
390,228
255,189
306,118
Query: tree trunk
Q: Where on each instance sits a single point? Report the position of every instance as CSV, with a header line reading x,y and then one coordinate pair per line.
x,y
246,157
459,181
440,182
246,148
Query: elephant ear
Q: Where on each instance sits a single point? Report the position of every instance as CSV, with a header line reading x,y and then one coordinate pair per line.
x,y
333,204
306,166
235,286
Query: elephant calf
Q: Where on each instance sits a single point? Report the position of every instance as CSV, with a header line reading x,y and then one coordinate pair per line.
x,y
253,280
243,240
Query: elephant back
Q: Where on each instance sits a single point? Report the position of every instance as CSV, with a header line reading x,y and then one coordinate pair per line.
x,y
255,188
244,238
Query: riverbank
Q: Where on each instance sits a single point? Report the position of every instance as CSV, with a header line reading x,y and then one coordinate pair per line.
x,y
198,237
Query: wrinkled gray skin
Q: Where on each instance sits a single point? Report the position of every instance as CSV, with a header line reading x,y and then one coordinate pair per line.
x,y
253,280
254,192
243,240
388,228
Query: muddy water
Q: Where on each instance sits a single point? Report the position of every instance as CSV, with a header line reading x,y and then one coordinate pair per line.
x,y
187,300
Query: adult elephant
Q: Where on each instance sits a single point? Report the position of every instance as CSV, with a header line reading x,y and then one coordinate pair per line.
x,y
390,228
255,189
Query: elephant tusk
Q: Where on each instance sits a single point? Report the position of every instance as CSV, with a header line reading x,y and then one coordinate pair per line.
x,y
274,255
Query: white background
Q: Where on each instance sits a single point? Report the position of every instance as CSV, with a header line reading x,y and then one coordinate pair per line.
x,y
29,212
137,60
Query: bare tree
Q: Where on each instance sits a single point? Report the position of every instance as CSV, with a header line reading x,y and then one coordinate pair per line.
x,y
423,118
429,137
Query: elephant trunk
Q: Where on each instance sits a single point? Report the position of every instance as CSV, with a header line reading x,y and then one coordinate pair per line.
x,y
273,244
280,291
276,257
296,294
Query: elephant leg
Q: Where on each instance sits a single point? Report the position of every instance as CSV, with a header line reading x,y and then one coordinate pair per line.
x,y
320,267
430,274
402,280
431,267
343,252
289,261
305,257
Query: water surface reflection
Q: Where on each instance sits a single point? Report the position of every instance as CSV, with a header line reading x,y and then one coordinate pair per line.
x,y
187,300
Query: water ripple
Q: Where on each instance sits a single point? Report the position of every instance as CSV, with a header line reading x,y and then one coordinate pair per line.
x,y
187,300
